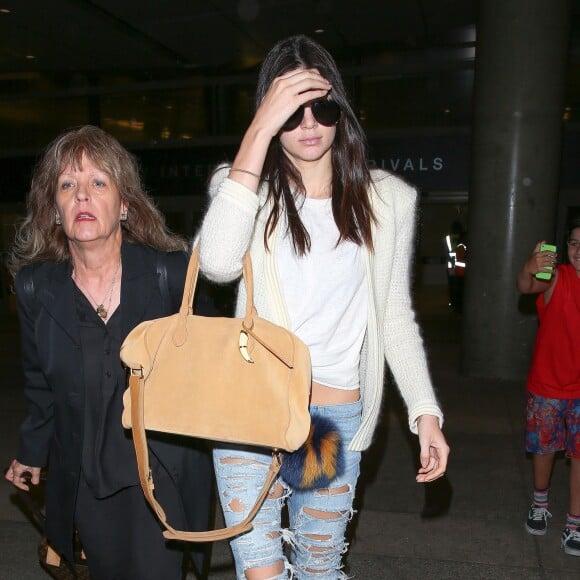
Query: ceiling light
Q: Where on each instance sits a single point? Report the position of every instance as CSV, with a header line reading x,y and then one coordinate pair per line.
x,y
30,57
4,11
132,124
319,31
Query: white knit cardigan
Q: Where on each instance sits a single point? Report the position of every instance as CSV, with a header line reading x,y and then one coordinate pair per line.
x,y
235,221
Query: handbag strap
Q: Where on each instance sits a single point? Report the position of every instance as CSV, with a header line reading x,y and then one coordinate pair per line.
x,y
137,388
180,334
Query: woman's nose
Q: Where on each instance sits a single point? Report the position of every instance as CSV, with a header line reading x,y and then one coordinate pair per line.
x,y
308,120
82,192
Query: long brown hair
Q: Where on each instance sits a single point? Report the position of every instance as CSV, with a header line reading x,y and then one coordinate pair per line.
x,y
40,239
351,177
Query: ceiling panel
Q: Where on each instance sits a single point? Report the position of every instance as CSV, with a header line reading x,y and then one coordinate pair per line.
x,y
84,35
66,35
81,47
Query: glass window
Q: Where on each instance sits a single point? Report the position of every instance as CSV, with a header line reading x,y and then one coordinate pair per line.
x,y
441,99
156,116
29,125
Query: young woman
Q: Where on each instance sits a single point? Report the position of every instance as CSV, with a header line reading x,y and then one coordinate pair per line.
x,y
331,244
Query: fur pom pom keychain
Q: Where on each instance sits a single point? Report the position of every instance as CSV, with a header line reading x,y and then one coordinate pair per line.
x,y
318,461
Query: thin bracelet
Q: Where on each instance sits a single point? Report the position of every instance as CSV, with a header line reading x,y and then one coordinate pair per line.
x,y
245,171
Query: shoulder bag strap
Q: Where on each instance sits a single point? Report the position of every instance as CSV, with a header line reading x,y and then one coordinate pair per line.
x,y
136,386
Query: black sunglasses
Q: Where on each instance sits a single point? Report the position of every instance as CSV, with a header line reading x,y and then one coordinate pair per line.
x,y
325,112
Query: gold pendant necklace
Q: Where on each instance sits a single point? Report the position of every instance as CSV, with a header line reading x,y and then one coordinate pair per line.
x,y
102,311
100,308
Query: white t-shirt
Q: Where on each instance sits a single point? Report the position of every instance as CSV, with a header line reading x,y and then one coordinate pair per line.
x,y
326,296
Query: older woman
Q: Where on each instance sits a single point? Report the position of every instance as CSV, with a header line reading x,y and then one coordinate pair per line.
x,y
93,259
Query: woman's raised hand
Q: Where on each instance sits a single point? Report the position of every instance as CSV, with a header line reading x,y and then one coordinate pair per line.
x,y
286,93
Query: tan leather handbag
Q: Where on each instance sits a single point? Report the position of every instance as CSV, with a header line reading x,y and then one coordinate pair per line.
x,y
233,380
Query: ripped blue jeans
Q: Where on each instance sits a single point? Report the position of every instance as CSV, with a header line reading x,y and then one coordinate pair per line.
x,y
313,545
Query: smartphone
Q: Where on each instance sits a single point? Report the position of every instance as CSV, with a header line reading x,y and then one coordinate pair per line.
x,y
546,275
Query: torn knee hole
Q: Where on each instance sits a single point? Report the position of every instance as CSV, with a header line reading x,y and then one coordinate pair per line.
x,y
320,538
277,492
334,490
236,505
323,515
238,461
264,571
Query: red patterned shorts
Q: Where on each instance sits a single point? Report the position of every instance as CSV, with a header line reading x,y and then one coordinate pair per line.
x,y
552,425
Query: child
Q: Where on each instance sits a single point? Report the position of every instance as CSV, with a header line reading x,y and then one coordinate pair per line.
x,y
553,407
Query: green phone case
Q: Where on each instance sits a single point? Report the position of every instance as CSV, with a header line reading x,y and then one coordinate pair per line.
x,y
546,275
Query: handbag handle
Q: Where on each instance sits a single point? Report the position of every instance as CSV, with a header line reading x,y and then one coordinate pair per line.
x,y
137,388
180,334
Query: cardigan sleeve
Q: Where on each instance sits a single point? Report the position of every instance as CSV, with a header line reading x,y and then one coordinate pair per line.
x,y
37,428
227,227
403,343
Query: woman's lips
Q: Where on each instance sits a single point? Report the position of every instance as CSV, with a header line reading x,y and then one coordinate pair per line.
x,y
310,141
84,216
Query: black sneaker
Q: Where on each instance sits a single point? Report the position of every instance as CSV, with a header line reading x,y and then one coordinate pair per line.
x,y
571,542
537,522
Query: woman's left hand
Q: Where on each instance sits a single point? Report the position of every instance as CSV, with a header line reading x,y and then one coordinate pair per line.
x,y
21,475
434,449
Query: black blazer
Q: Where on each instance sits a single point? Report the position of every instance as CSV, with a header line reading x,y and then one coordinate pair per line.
x,y
51,435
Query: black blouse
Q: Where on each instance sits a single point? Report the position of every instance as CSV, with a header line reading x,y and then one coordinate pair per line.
x,y
105,381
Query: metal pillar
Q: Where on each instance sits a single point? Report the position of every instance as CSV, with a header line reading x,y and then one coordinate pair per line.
x,y
516,149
